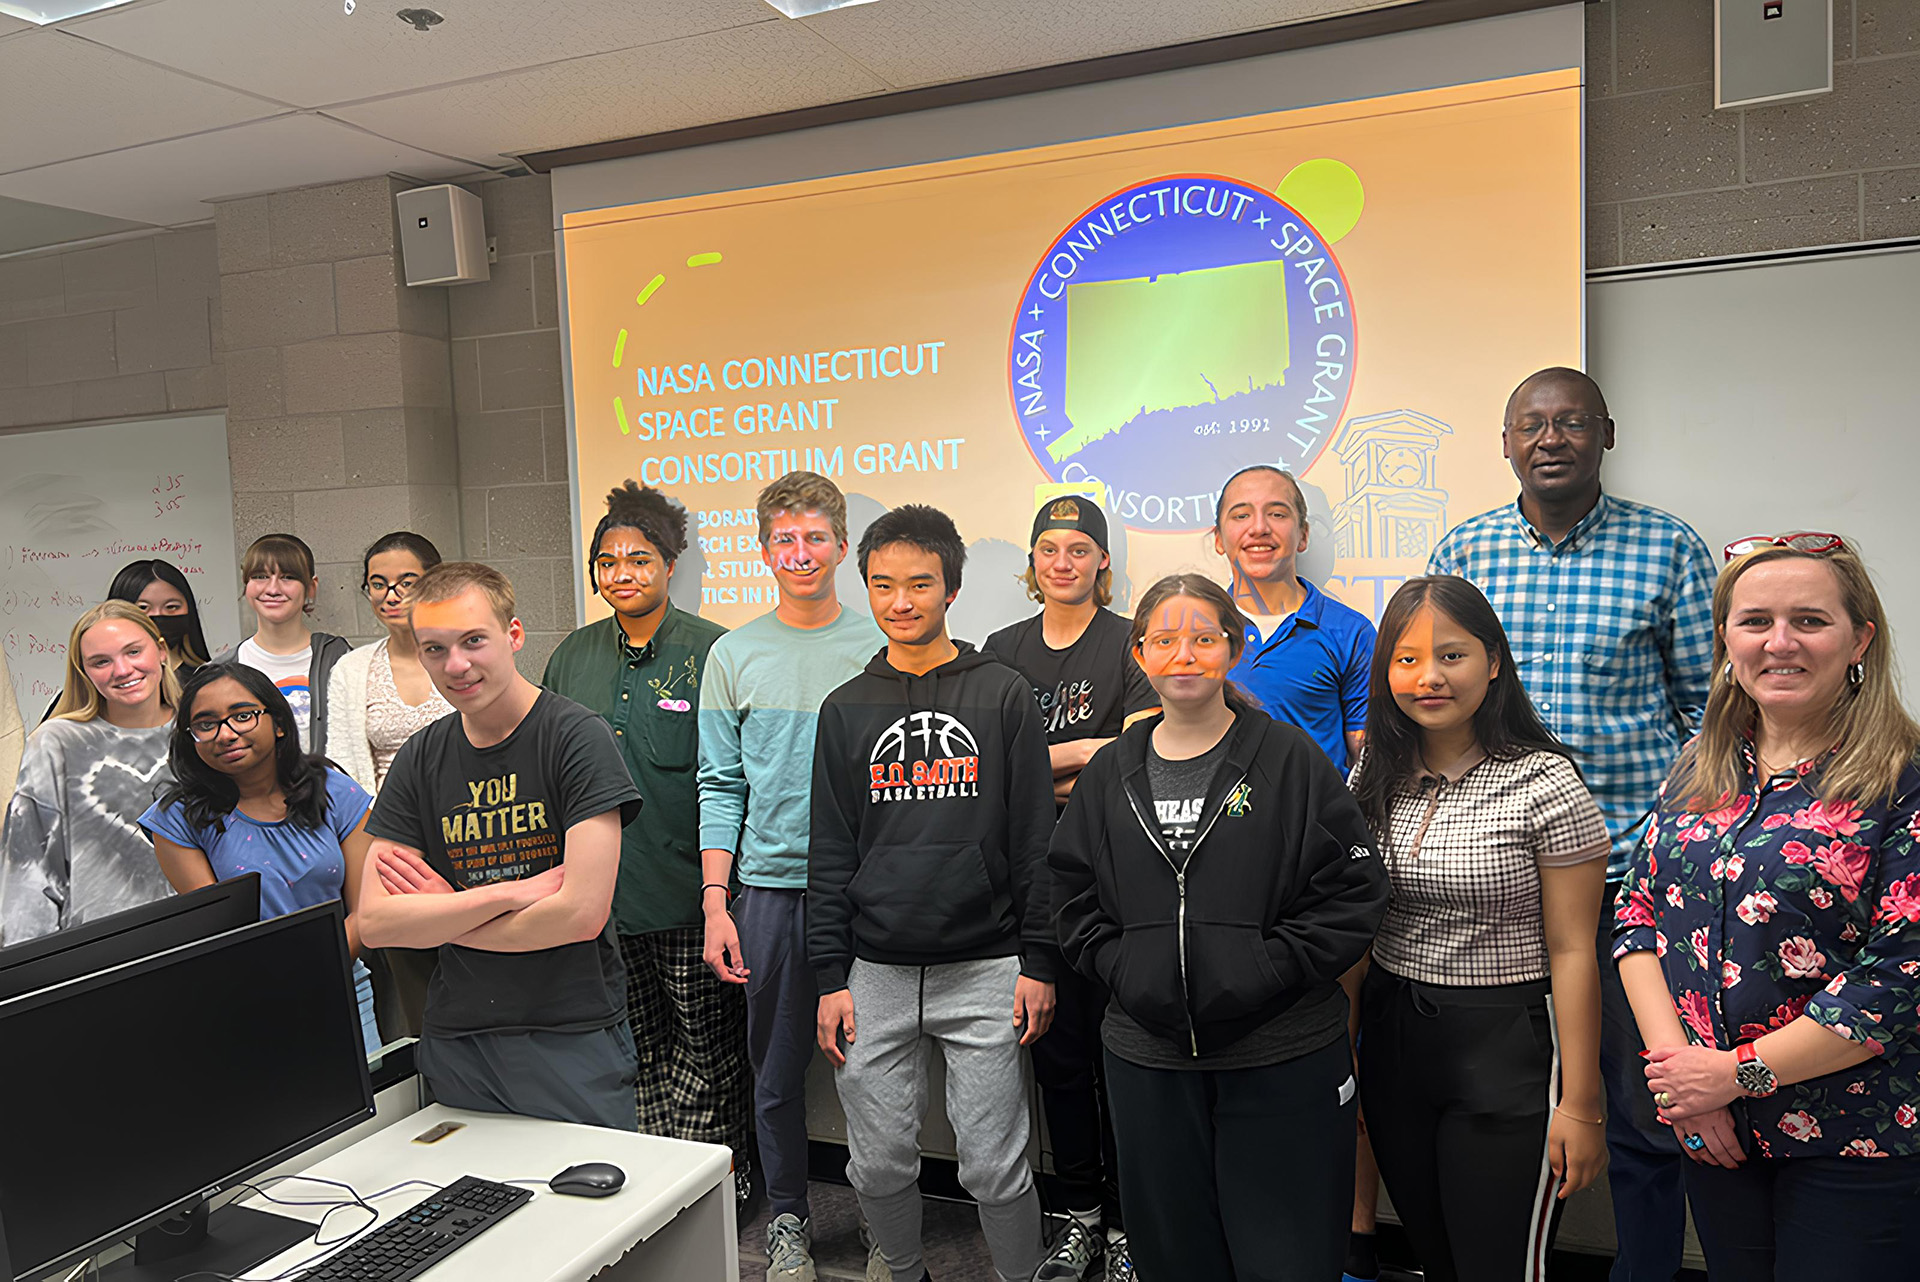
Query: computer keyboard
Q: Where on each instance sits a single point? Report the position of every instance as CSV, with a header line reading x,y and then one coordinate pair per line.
x,y
411,1243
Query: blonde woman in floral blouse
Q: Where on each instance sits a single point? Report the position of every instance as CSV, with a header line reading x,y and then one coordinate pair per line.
x,y
1769,932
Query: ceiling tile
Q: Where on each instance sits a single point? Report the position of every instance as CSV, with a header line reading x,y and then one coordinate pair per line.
x,y
920,42
26,225
61,97
166,182
745,72
312,54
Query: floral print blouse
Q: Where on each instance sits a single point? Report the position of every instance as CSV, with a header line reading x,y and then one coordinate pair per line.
x,y
1778,905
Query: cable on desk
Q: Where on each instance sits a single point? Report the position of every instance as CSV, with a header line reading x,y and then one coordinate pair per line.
x,y
353,1199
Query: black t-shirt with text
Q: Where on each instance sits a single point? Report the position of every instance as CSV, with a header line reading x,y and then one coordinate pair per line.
x,y
482,815
1086,691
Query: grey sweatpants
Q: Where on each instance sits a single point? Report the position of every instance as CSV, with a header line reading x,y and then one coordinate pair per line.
x,y
899,1013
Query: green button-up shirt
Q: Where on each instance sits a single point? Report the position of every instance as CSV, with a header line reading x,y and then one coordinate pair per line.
x,y
651,697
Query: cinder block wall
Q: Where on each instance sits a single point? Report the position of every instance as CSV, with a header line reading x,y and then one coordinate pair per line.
x,y
117,331
511,416
1669,178
340,409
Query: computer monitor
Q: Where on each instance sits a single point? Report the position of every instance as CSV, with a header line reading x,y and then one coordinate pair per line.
x,y
130,935
130,1096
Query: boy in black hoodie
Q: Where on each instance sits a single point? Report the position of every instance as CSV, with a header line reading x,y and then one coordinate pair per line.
x,y
927,899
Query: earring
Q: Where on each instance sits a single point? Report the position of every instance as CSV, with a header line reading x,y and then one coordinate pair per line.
x,y
1856,674
1726,673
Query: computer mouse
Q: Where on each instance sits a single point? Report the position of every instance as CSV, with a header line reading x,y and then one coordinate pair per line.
x,y
589,1179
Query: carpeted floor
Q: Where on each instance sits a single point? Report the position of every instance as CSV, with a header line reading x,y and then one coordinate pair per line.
x,y
955,1251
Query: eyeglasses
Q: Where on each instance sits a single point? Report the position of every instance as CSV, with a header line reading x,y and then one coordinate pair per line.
x,y
383,589
1205,644
1811,542
1574,425
206,729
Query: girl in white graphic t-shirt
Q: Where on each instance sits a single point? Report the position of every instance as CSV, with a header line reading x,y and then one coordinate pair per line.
x,y
279,581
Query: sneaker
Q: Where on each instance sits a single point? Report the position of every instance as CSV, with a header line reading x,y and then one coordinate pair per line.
x,y
790,1249
1075,1256
877,1270
1119,1263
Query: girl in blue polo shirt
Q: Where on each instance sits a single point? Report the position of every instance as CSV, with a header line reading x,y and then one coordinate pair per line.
x,y
246,799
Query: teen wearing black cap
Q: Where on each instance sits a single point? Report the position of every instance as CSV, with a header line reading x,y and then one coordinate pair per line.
x,y
1075,655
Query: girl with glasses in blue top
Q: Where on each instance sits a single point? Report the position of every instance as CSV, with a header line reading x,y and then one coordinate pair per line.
x,y
246,799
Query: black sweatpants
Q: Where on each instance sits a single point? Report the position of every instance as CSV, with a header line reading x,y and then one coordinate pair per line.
x,y
1237,1175
1807,1219
1458,1084
1066,1065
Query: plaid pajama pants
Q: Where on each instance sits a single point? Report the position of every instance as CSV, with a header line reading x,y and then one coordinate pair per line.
x,y
690,1031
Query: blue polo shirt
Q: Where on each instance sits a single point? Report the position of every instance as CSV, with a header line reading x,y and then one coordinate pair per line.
x,y
1312,672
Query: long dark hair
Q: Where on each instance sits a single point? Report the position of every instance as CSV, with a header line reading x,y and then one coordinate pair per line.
x,y
1505,724
1232,622
136,577
206,795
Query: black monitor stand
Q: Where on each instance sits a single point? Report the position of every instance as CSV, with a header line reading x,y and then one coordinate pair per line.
x,y
227,1241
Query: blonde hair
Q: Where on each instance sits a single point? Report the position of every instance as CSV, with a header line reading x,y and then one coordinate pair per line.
x,y
802,492
1874,735
449,579
80,699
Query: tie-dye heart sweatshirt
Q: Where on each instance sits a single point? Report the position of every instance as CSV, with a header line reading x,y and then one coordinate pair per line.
x,y
73,849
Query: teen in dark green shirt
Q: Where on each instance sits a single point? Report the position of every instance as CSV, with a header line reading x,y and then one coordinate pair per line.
x,y
641,670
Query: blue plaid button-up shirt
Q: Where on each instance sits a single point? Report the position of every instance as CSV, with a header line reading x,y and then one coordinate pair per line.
x,y
1612,629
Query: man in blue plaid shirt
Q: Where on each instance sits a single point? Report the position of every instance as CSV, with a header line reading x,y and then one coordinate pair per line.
x,y
1608,607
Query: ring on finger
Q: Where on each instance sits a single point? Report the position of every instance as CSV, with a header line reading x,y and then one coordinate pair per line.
x,y
1695,1143
1663,1099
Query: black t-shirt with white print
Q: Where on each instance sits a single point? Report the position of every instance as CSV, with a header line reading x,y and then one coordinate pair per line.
x,y
1086,691
501,813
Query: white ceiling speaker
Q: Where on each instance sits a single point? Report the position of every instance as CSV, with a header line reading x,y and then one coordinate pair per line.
x,y
1771,50
443,236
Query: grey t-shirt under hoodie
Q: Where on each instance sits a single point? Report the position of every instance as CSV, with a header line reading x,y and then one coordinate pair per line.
x,y
73,849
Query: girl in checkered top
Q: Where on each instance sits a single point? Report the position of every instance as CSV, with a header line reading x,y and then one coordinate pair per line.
x,y
1480,1009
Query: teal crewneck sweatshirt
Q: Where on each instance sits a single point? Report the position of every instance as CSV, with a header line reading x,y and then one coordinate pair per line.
x,y
760,700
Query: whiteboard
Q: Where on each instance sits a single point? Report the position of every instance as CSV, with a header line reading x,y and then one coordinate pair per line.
x,y
77,503
1757,399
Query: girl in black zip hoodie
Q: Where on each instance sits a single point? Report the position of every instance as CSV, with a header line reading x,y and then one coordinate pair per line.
x,y
1213,873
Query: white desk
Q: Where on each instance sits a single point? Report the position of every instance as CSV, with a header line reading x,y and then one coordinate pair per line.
x,y
672,1222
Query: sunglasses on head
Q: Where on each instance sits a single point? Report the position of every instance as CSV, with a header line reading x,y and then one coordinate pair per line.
x,y
1807,541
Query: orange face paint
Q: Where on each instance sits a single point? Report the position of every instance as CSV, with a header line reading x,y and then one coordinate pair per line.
x,y
1184,640
468,612
1438,672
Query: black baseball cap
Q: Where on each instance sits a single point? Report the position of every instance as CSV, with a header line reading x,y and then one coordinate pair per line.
x,y
1071,512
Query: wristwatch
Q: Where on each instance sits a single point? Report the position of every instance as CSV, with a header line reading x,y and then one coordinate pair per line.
x,y
1750,1072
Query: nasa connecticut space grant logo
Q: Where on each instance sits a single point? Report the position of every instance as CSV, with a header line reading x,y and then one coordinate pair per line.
x,y
1179,330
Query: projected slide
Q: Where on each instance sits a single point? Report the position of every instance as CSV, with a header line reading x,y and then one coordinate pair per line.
x,y
1348,291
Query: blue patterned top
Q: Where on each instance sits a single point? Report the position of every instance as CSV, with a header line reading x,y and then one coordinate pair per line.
x,y
1612,630
1780,904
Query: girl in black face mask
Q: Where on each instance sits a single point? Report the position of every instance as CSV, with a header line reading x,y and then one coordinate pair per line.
x,y
159,588
161,592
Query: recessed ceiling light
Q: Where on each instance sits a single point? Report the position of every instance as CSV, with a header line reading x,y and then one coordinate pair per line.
x,y
43,12
807,8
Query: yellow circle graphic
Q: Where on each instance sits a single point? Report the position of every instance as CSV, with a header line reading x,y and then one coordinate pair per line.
x,y
1327,193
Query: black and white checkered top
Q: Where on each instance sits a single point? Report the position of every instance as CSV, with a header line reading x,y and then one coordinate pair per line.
x,y
1465,857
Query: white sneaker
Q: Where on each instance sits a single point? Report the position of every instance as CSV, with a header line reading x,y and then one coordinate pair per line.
x,y
790,1249
877,1270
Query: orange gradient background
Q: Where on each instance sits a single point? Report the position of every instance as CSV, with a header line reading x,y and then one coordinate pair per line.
x,y
1464,275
